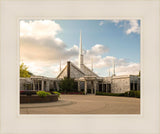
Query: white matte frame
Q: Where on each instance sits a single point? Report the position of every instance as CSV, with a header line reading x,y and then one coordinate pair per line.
x,y
148,122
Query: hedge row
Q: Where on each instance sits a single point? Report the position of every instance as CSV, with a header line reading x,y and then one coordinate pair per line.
x,y
126,94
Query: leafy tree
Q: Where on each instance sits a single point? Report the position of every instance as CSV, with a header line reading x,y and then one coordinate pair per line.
x,y
24,71
67,84
139,73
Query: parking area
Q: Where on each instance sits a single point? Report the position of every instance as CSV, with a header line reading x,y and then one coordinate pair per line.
x,y
85,104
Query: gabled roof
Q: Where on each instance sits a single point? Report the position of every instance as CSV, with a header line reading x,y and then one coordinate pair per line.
x,y
87,71
71,70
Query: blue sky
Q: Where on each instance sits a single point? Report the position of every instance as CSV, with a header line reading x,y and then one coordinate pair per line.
x,y
120,44
44,43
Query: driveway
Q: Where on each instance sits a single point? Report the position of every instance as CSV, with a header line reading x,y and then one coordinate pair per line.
x,y
85,104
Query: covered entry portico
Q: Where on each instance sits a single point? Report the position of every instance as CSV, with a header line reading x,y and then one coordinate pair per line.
x,y
92,80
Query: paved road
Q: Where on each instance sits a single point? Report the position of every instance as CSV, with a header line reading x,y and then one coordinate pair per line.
x,y
85,104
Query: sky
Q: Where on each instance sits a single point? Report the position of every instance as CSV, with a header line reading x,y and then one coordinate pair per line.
x,y
44,44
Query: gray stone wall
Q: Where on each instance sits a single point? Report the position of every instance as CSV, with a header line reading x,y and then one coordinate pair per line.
x,y
135,81
25,84
120,85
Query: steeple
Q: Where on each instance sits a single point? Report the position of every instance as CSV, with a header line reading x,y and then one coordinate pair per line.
x,y
109,72
92,64
114,68
60,66
80,52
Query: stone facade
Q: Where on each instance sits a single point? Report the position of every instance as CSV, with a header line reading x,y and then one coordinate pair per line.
x,y
39,83
120,84
87,81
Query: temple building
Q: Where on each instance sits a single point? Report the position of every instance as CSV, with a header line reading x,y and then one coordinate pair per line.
x,y
86,79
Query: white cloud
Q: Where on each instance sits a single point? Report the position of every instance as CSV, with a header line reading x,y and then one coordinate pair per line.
x,y
39,28
134,27
97,49
131,68
116,21
101,23
42,51
130,26
42,44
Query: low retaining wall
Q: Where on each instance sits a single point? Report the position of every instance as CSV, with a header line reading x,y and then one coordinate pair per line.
x,y
38,99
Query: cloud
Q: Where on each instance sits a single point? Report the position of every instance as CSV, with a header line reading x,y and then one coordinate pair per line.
x,y
131,68
41,50
42,44
101,23
134,27
97,49
116,21
39,28
130,26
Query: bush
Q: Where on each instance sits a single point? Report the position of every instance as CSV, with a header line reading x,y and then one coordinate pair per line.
x,y
67,85
43,93
27,92
126,94
57,93
110,94
132,94
137,94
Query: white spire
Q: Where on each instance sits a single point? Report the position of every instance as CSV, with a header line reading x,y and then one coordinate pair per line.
x,y
60,65
80,44
80,52
114,68
92,64
109,72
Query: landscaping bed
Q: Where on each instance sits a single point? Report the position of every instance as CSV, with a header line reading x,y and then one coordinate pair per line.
x,y
78,93
38,99
126,94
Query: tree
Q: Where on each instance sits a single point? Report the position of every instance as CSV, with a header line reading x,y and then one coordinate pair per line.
x,y
139,73
24,71
67,84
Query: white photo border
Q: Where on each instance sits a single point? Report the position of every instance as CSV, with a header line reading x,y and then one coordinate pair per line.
x,y
147,122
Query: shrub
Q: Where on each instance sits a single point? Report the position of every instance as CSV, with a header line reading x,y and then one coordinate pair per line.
x,y
43,93
67,84
126,94
110,94
27,92
137,94
57,93
132,94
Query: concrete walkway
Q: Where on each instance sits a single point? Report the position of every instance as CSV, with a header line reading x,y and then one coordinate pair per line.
x,y
85,104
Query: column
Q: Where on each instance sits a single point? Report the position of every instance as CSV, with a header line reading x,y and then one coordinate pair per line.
x,y
47,85
85,87
94,87
102,87
42,85
38,84
33,84
79,89
106,88
133,85
57,87
91,87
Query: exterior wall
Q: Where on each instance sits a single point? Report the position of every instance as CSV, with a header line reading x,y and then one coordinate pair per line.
x,y
28,84
120,85
25,84
135,82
